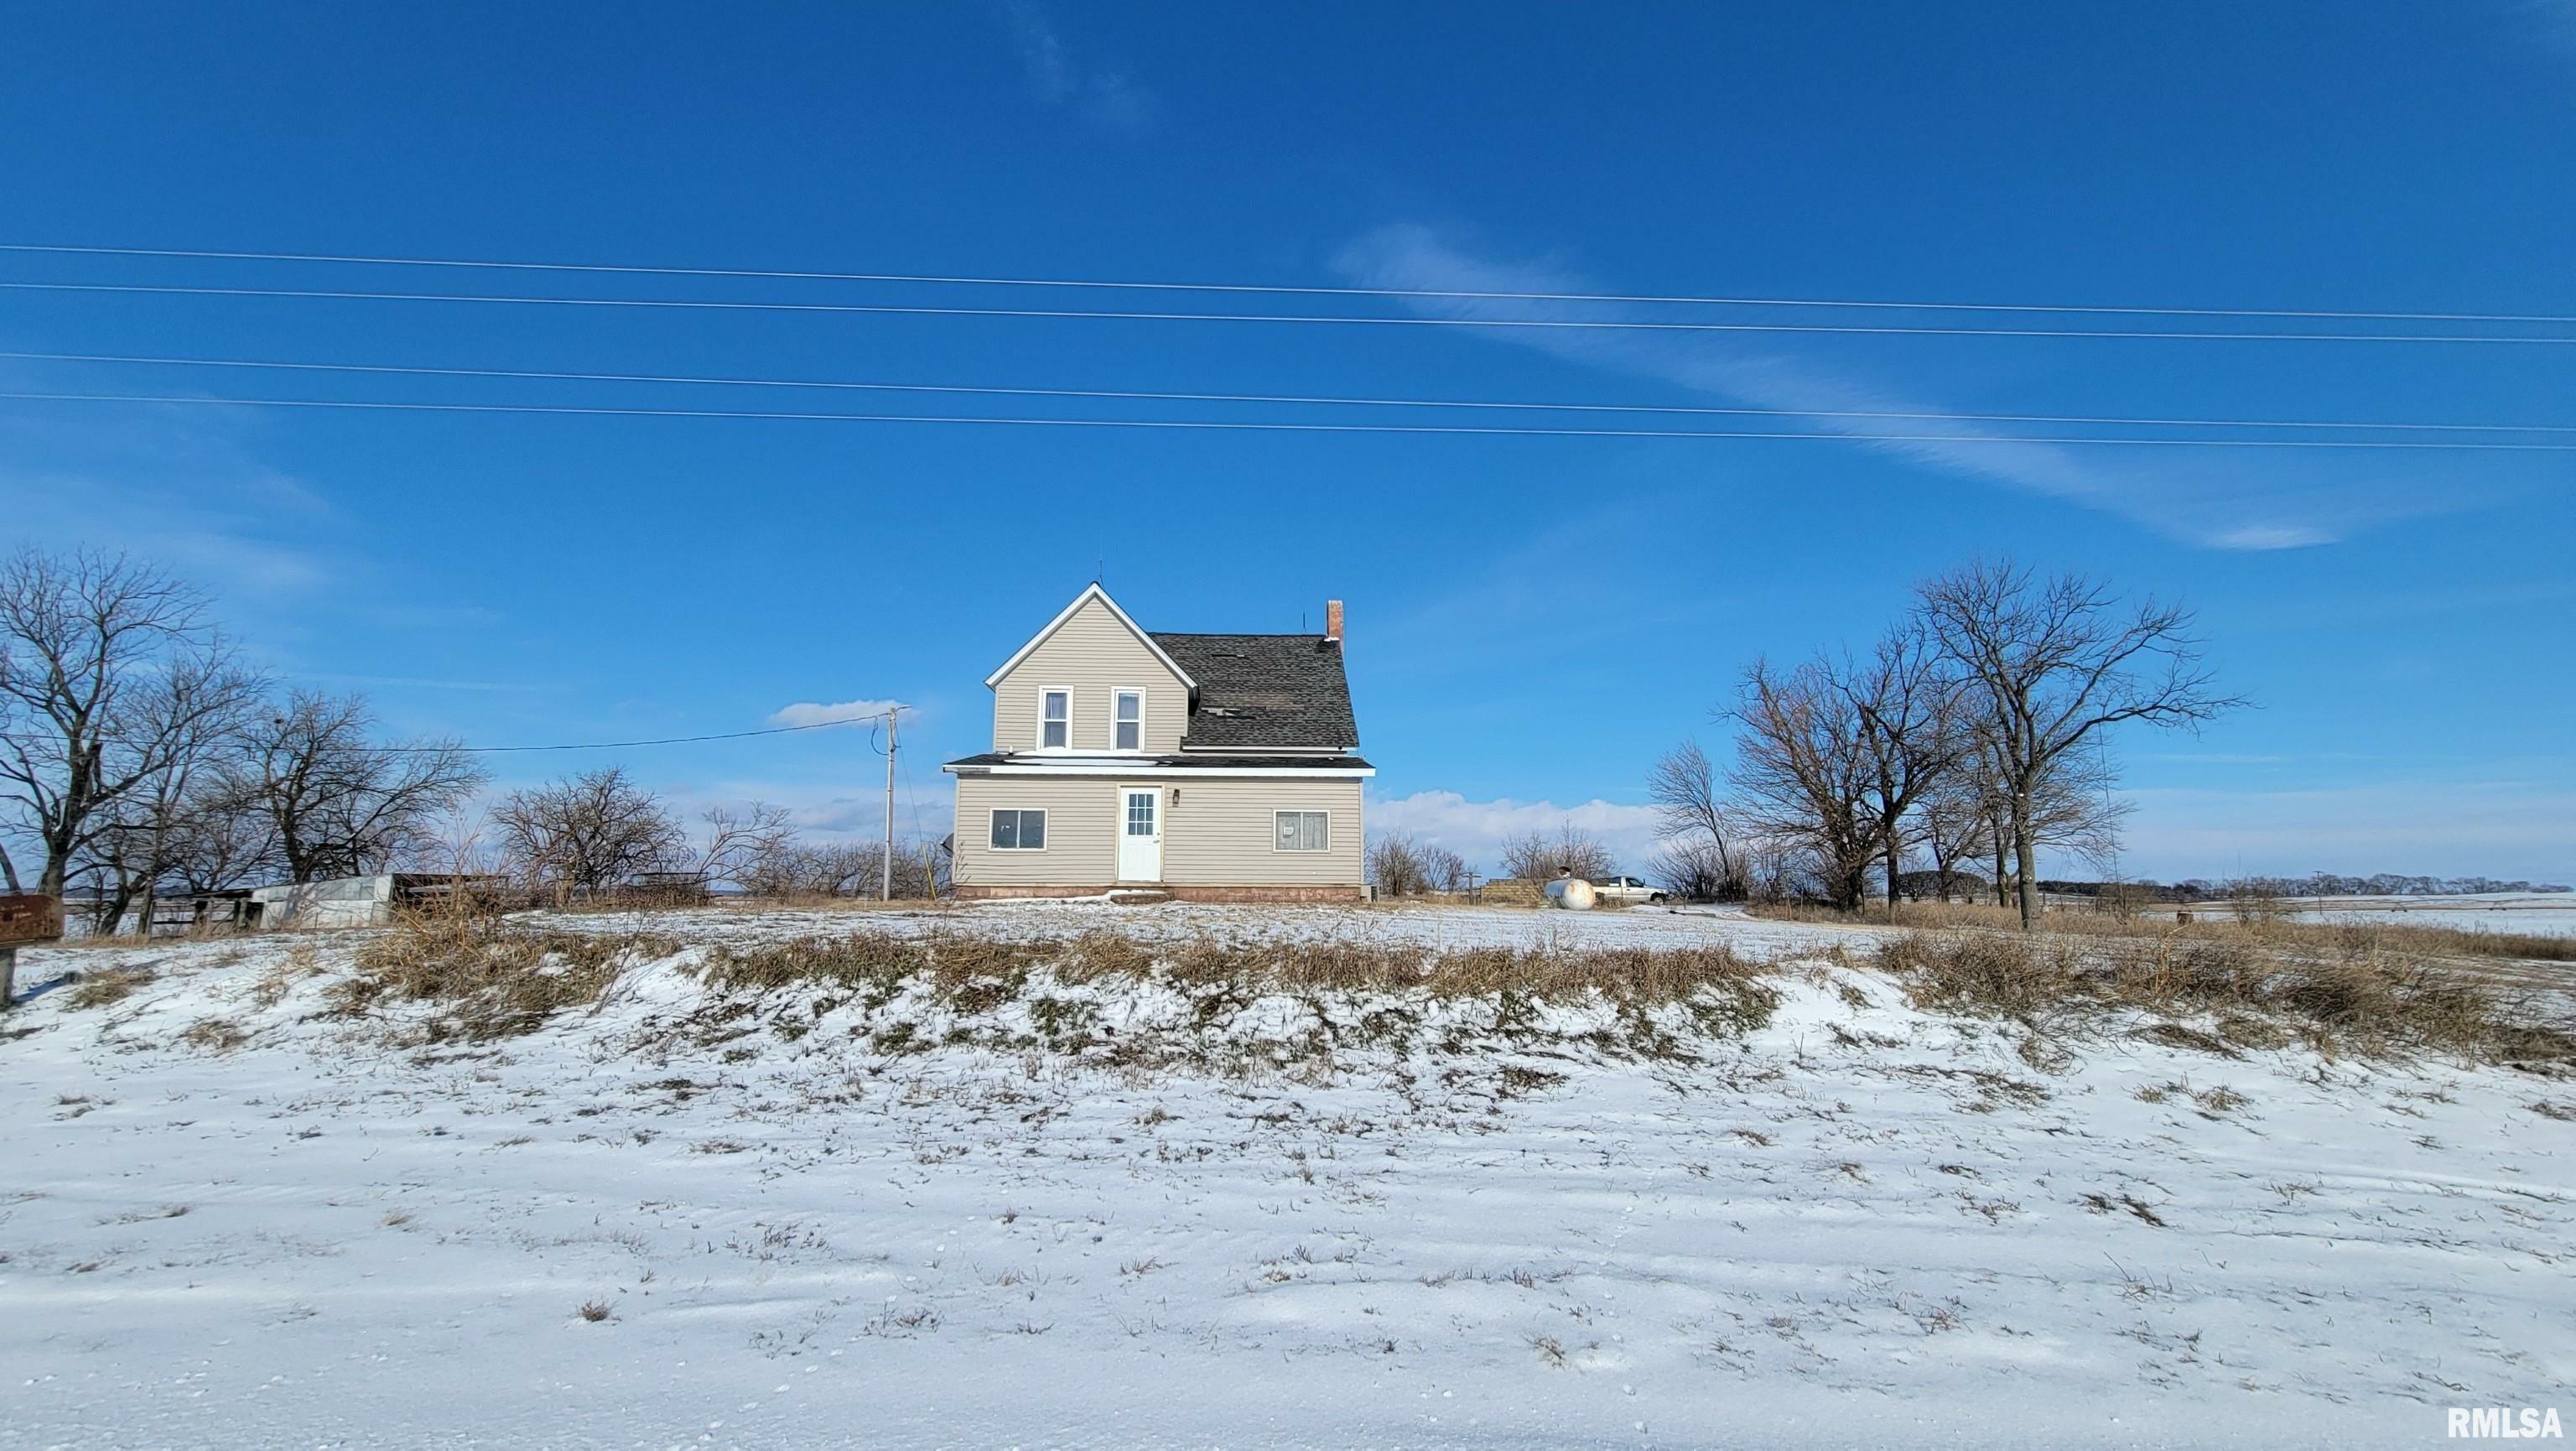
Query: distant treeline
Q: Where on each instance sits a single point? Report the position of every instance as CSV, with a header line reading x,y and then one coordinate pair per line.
x,y
2320,884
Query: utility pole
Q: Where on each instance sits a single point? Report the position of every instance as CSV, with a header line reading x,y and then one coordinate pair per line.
x,y
885,880
885,884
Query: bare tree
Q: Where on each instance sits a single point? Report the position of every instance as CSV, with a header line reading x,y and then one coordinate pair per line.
x,y
1444,870
1952,824
110,679
739,843
173,816
1777,870
846,869
791,868
1395,865
1802,775
586,833
344,805
1683,788
221,840
2054,660
2072,808
457,844
1904,710
1692,870
1537,856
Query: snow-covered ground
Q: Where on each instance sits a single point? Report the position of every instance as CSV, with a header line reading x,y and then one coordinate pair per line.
x,y
1435,926
1860,1224
2548,913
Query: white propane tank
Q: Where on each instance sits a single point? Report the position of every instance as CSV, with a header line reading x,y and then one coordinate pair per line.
x,y
1570,892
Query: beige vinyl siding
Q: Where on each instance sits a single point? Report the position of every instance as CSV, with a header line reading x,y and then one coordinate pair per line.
x,y
1216,833
1082,840
1219,834
1092,654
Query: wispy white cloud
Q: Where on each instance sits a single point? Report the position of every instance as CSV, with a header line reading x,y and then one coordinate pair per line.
x,y
2216,501
196,530
184,487
1109,99
1477,829
847,712
1491,611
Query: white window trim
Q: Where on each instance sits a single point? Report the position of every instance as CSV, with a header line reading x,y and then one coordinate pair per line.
x,y
1279,811
1137,691
1038,811
1068,693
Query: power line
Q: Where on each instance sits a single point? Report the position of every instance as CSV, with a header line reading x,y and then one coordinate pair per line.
x,y
1344,319
625,745
1241,425
937,279
1279,398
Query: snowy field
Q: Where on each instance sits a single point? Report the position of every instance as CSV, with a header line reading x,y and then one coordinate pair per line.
x,y
229,1221
2548,913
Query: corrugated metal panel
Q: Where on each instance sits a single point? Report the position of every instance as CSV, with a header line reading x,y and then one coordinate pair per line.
x,y
1092,654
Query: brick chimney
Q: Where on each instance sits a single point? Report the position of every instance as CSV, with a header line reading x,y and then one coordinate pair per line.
x,y
1332,622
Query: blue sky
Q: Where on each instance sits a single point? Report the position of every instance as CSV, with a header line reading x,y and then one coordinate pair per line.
x,y
1532,619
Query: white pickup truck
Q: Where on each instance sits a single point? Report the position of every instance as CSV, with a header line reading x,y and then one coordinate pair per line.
x,y
1625,890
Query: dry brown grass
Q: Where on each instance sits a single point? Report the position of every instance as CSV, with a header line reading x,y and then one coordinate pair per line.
x,y
2448,941
110,987
2360,998
280,979
494,980
214,1035
611,905
976,972
2208,924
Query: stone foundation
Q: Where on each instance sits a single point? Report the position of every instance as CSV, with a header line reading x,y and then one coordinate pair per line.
x,y
1269,894
1176,891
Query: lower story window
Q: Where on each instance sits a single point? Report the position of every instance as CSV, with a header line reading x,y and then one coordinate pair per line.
x,y
1302,830
1019,830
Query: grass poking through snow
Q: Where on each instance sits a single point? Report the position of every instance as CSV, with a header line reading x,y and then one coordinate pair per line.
x,y
2361,1001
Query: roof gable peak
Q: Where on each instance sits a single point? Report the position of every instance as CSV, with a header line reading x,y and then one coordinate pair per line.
x,y
1090,592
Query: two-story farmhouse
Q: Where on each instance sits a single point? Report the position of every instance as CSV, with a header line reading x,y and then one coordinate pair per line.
x,y
1209,767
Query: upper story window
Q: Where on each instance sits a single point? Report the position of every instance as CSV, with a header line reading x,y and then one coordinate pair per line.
x,y
1055,720
1127,717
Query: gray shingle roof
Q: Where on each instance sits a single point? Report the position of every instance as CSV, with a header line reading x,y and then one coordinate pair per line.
x,y
1265,690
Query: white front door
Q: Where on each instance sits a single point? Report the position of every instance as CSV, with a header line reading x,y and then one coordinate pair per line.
x,y
1140,833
